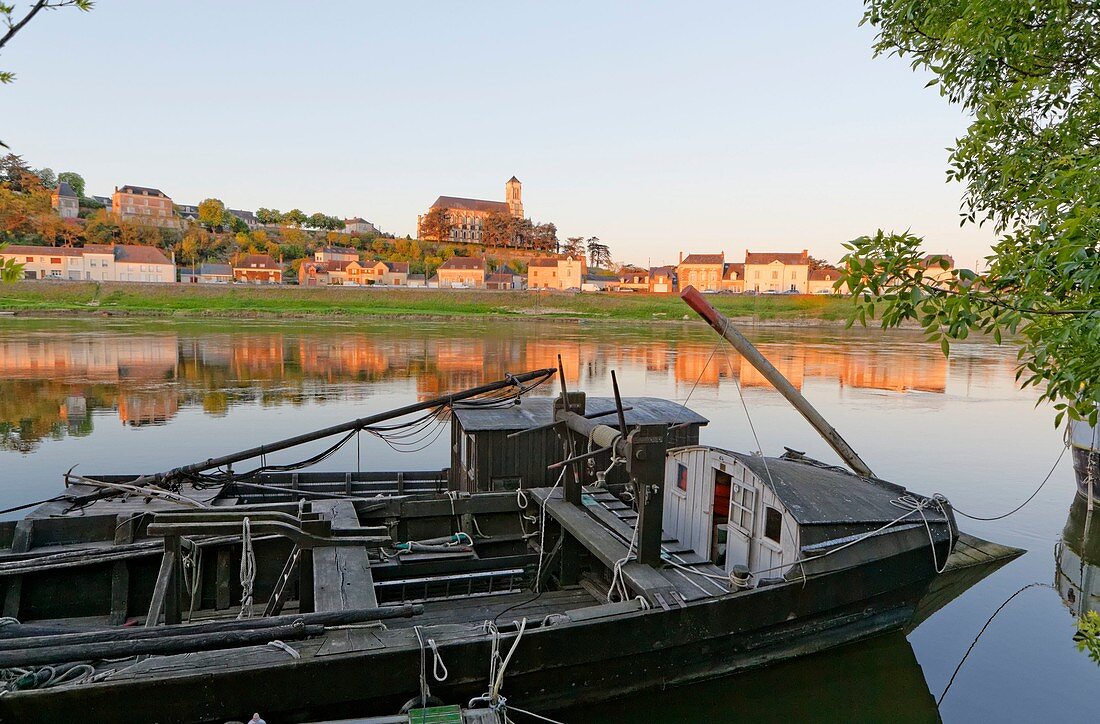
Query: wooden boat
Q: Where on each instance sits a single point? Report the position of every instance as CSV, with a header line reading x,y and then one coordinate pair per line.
x,y
575,549
1084,443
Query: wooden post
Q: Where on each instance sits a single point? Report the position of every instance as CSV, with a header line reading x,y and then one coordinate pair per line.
x,y
646,448
21,543
745,348
120,572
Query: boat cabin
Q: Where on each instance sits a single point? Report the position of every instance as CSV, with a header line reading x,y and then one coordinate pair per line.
x,y
767,513
486,454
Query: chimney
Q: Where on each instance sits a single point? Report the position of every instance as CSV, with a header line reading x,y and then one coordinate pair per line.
x,y
805,252
681,257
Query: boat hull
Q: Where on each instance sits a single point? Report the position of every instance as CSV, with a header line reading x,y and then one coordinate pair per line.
x,y
1084,461
554,666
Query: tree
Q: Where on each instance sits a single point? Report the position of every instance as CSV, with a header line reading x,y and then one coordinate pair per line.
x,y
497,229
15,24
75,181
17,175
819,264
436,225
574,246
546,236
294,217
1030,163
195,245
212,214
599,255
47,177
268,217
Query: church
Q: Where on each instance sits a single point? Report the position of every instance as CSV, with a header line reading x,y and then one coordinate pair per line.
x,y
468,215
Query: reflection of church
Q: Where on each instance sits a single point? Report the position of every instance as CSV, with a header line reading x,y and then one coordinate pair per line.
x,y
1077,560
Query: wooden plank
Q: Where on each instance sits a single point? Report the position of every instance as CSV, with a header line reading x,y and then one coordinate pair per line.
x,y
222,599
21,543
160,591
342,577
604,545
120,573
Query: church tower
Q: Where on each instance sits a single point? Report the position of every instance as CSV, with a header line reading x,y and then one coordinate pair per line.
x,y
513,195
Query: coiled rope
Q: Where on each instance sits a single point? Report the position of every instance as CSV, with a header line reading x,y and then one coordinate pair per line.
x,y
248,569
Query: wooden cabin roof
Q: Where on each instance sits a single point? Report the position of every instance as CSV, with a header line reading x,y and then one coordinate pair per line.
x,y
819,494
535,411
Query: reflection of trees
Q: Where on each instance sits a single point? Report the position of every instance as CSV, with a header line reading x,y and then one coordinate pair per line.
x,y
146,378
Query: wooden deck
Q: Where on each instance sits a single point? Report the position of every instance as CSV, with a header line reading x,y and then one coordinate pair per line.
x,y
605,526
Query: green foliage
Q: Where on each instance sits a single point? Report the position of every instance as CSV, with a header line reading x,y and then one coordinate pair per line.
x,y
1088,635
212,214
47,176
10,270
268,217
294,217
76,181
1030,163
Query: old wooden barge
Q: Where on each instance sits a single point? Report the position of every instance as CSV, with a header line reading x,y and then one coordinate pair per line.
x,y
575,548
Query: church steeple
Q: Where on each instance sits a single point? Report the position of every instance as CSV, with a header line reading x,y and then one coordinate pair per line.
x,y
513,195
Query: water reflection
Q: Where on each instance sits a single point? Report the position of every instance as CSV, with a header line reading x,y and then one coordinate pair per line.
x,y
1077,569
56,383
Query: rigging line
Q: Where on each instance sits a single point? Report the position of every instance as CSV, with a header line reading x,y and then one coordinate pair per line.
x,y
955,673
1021,505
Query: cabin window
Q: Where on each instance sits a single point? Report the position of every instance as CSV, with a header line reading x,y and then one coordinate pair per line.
x,y
742,503
682,476
773,523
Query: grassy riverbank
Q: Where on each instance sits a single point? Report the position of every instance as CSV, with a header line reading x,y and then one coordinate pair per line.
x,y
237,301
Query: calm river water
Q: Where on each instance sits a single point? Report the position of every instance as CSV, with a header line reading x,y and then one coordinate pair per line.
x,y
125,397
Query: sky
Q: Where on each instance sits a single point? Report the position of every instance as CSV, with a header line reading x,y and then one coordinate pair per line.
x,y
657,127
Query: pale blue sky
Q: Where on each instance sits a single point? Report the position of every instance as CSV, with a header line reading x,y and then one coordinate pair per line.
x,y
659,127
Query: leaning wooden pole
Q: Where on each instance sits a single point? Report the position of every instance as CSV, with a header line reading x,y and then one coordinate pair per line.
x,y
722,325
352,425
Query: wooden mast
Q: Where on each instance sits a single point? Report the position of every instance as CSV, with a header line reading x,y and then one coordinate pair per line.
x,y
722,325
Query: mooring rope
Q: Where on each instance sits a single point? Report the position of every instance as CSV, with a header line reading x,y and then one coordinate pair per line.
x,y
248,569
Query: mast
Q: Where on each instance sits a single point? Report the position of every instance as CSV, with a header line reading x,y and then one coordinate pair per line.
x,y
722,325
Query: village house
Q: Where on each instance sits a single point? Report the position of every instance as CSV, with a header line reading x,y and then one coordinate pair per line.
x,y
65,201
662,280
733,278
207,274
468,215
554,273
702,271
821,281
633,279
247,217
460,272
418,281
359,226
388,273
110,263
145,205
599,281
257,269
336,253
499,281
777,272
935,271
322,273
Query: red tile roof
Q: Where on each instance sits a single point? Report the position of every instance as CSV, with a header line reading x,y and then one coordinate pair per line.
x,y
662,271
827,274
543,261
397,267
255,261
464,262
768,257
734,272
140,254
42,250
704,259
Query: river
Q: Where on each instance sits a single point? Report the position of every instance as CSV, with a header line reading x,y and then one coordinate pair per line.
x,y
141,396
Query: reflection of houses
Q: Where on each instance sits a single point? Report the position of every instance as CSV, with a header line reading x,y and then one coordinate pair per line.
x,y
142,409
896,372
343,359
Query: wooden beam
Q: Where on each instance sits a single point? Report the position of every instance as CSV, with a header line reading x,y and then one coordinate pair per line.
x,y
120,572
342,577
21,543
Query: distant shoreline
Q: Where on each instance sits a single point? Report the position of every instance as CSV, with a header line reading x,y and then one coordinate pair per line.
x,y
89,300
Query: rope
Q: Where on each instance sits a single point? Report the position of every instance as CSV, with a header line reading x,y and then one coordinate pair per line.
x,y
982,631
248,569
618,583
513,707
494,692
1021,505
285,647
192,574
438,664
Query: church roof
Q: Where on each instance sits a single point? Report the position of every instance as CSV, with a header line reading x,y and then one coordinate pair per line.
x,y
457,202
513,179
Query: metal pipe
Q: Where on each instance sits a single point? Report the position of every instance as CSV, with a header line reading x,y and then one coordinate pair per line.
x,y
722,325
